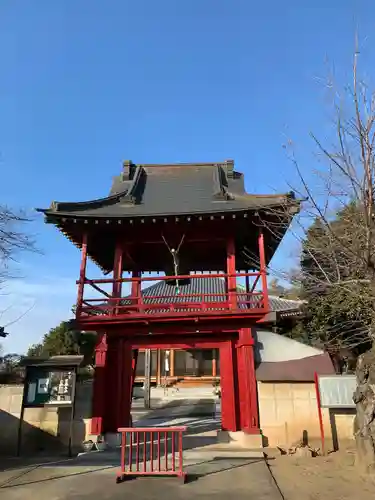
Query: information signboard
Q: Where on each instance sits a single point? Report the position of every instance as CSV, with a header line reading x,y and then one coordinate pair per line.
x,y
336,391
333,392
48,387
49,382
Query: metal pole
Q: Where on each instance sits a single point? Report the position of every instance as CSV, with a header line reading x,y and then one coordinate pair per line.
x,y
19,435
147,384
72,413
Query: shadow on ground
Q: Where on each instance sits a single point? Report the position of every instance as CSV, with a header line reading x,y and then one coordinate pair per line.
x,y
198,417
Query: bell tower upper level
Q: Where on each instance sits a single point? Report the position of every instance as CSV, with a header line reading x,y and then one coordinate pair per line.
x,y
177,222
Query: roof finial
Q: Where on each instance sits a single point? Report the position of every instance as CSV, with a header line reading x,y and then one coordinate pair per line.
x,y
229,164
126,168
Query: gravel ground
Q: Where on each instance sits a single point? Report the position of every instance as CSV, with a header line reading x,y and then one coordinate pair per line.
x,y
334,477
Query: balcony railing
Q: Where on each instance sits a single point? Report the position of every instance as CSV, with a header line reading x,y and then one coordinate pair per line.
x,y
174,295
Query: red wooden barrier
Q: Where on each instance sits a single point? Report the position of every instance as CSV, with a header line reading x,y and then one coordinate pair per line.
x,y
151,451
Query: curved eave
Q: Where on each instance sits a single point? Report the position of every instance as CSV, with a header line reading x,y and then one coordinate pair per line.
x,y
126,195
280,206
67,207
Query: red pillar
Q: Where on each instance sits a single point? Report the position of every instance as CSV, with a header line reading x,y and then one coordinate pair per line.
x,y
82,274
249,419
229,386
117,274
231,270
136,288
99,386
118,384
124,383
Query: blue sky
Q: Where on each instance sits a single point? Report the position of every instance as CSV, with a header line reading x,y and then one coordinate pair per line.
x,y
86,84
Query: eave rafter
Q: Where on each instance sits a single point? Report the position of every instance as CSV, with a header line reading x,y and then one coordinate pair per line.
x,y
57,217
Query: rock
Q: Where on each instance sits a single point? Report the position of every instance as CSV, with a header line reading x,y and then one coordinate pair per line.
x,y
282,450
303,452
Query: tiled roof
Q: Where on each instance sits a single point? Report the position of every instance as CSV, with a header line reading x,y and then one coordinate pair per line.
x,y
149,198
164,292
172,189
296,370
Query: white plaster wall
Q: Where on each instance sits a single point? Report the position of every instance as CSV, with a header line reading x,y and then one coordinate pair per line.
x,y
286,410
271,347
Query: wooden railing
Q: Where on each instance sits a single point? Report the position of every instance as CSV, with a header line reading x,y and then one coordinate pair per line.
x,y
177,299
151,451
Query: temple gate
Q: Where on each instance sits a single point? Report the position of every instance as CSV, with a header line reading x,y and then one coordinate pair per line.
x,y
176,224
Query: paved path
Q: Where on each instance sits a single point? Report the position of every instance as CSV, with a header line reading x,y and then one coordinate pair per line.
x,y
94,476
221,479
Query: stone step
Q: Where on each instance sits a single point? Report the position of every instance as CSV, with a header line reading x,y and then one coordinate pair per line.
x,y
211,452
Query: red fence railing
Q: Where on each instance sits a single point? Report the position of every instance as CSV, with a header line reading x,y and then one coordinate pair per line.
x,y
174,298
151,451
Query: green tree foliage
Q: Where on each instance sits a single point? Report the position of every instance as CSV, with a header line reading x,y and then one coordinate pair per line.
x,y
10,370
337,283
62,340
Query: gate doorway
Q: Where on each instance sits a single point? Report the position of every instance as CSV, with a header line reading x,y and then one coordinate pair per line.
x,y
239,405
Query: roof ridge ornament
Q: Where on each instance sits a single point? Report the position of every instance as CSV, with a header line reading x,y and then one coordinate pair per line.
x,y
220,183
135,174
127,170
229,168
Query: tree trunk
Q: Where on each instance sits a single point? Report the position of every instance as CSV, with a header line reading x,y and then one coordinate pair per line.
x,y
364,422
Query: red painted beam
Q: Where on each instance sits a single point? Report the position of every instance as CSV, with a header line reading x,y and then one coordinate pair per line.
x,y
180,277
170,342
176,345
226,320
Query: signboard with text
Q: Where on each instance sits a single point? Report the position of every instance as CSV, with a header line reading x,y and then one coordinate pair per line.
x,y
336,391
48,387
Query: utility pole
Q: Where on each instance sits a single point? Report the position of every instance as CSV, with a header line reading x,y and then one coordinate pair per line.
x,y
147,383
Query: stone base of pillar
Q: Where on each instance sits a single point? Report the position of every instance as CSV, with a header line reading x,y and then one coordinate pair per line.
x,y
241,439
112,439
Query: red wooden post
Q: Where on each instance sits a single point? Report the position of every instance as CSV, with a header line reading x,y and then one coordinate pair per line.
x,y
82,274
320,413
229,387
123,451
136,288
248,294
247,382
124,390
117,274
263,270
231,270
98,402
